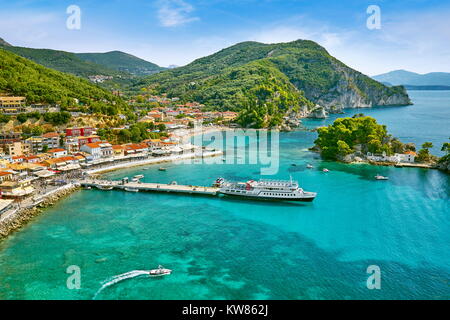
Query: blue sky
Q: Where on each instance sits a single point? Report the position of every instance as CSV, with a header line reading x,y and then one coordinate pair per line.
x,y
414,35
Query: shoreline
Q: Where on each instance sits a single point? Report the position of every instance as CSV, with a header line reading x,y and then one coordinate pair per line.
x,y
153,161
16,218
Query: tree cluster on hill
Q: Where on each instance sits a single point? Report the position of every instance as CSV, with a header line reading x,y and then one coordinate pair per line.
x,y
64,61
22,77
224,80
359,133
135,133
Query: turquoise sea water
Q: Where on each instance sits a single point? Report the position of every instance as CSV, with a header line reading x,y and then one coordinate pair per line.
x,y
221,248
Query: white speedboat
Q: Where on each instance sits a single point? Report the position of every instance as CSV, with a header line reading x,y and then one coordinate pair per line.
x,y
139,176
309,166
161,271
326,170
379,177
132,189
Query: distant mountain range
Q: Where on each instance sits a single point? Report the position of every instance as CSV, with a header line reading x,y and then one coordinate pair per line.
x,y
433,80
115,63
121,61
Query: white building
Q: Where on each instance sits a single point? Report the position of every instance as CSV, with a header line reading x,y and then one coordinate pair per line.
x,y
98,150
58,153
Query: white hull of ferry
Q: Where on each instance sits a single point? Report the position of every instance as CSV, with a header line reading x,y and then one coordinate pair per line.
x,y
266,190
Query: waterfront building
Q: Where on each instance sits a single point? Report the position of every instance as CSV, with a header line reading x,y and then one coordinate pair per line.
x,y
118,151
153,144
6,176
57,153
136,149
16,189
408,156
98,150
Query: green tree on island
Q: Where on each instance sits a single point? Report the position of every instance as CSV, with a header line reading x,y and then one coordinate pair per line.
x,y
424,154
359,133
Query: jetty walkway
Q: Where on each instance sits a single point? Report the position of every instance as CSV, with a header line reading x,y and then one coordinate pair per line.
x,y
148,187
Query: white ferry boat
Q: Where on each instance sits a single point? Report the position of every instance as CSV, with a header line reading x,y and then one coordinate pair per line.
x,y
265,190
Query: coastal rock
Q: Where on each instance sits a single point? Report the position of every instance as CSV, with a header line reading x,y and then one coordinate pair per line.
x,y
353,90
318,112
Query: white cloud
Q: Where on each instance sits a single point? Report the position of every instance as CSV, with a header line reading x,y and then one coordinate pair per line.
x,y
418,42
173,13
29,28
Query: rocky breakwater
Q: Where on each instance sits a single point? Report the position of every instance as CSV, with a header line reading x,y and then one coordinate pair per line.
x,y
15,220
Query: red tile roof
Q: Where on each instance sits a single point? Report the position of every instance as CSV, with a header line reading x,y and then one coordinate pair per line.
x,y
56,150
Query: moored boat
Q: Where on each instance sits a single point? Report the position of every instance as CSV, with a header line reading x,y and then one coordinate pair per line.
x,y
128,189
279,190
105,188
380,177
162,169
326,170
309,166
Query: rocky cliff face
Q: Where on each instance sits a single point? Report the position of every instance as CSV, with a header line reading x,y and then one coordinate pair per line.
x,y
355,90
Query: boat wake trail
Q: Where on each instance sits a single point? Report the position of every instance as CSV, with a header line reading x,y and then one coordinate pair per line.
x,y
121,277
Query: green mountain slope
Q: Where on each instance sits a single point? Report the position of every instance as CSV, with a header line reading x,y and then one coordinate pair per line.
x,y
63,61
230,77
121,61
22,77
403,77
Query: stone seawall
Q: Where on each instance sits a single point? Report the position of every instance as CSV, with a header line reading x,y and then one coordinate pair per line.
x,y
14,221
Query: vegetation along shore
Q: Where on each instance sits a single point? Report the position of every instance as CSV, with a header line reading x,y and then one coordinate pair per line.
x,y
361,139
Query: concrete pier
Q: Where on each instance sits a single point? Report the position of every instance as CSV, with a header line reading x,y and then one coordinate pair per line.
x,y
151,187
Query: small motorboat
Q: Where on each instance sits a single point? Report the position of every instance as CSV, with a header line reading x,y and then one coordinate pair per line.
x,y
293,165
132,189
379,177
309,166
139,176
105,188
326,170
87,188
162,169
161,271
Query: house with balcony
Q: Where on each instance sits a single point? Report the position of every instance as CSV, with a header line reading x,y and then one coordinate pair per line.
x,y
57,153
98,150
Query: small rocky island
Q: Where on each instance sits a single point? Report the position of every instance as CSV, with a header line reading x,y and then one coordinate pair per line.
x,y
361,139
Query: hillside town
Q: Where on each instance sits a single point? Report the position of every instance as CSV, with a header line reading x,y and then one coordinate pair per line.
x,y
32,164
